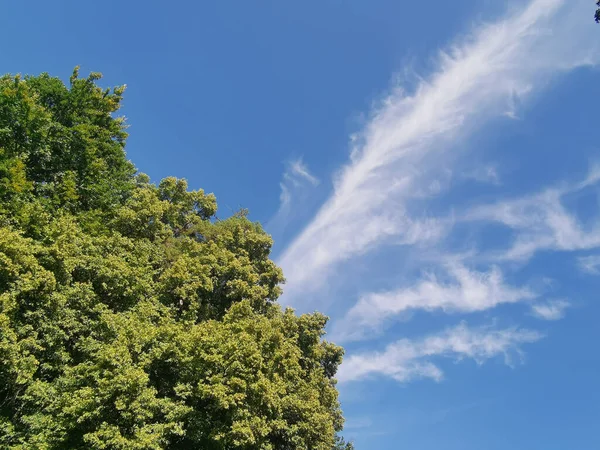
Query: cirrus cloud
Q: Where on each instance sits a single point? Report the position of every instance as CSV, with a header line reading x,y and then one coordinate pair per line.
x,y
407,360
412,138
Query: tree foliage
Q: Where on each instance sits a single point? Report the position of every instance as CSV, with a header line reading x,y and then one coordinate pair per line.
x,y
130,318
598,12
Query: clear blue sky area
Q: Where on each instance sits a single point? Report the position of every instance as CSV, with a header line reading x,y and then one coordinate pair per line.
x,y
430,172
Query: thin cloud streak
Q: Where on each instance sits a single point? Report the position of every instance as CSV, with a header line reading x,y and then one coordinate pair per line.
x,y
467,291
297,181
299,171
541,222
485,174
407,360
551,310
412,137
589,264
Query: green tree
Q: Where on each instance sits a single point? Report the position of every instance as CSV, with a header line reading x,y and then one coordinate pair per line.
x,y
598,12
131,318
341,444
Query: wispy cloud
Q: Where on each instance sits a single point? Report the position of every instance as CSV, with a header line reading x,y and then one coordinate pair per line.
x,y
484,174
296,176
298,172
542,222
590,264
551,310
296,182
461,291
412,137
407,360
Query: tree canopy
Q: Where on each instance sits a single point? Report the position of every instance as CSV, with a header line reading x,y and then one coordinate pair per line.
x,y
598,12
130,317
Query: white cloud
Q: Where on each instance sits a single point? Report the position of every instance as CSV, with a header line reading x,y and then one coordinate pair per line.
x,y
542,222
484,174
298,171
412,138
297,181
551,310
407,360
296,177
285,197
590,264
466,291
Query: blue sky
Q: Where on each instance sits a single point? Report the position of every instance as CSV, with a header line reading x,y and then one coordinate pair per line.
x,y
430,172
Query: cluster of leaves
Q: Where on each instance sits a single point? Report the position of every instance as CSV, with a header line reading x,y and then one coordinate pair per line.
x,y
598,12
130,318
